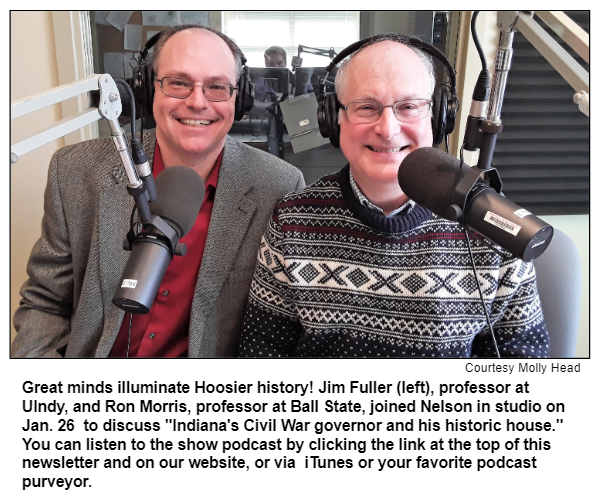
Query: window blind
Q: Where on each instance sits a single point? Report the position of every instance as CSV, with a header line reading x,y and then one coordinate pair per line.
x,y
255,31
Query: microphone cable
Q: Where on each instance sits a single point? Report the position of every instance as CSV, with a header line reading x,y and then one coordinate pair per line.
x,y
470,252
482,90
483,59
124,84
480,97
129,333
139,153
484,306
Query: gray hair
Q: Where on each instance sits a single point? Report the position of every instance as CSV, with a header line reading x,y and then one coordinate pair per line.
x,y
172,30
341,75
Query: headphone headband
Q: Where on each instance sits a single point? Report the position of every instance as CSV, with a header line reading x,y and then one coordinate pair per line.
x,y
150,42
143,82
406,40
444,107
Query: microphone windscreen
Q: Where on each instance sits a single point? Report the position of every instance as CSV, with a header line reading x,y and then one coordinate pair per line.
x,y
180,192
429,177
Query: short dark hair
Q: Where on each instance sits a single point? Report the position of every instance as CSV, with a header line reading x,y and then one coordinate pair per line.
x,y
276,50
165,35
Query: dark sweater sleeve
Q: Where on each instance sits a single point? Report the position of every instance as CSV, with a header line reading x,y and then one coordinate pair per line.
x,y
270,326
516,316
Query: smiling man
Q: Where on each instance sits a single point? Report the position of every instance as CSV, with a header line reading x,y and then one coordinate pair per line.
x,y
388,73
350,267
76,266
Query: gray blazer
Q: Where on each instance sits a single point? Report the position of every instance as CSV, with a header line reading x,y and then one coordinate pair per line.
x,y
75,266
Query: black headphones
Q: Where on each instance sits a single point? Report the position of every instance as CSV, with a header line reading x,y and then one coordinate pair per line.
x,y
143,81
444,108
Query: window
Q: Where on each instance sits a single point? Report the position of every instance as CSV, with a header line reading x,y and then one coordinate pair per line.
x,y
255,31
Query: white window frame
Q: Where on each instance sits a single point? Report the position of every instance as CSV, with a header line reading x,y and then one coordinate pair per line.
x,y
73,45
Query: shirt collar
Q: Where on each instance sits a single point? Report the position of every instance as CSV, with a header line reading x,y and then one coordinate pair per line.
x,y
212,180
368,204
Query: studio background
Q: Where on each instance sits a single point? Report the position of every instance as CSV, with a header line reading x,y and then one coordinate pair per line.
x,y
61,55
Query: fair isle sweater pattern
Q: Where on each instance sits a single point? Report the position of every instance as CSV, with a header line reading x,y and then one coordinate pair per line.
x,y
336,279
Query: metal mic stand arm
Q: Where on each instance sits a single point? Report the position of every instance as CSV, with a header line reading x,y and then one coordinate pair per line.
x,y
297,60
331,53
492,126
508,23
109,108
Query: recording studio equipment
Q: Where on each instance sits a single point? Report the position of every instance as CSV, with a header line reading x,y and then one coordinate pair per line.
x,y
180,192
472,197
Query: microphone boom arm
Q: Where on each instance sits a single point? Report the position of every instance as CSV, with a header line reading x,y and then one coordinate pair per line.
x,y
331,53
508,23
297,60
109,108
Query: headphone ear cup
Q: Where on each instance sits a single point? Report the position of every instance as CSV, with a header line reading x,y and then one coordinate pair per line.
x,y
143,87
439,115
334,123
137,87
452,106
327,116
321,118
148,87
245,95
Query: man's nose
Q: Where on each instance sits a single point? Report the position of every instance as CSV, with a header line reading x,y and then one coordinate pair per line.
x,y
197,98
388,124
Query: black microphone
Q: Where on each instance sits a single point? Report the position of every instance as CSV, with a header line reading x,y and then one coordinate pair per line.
x,y
453,190
180,192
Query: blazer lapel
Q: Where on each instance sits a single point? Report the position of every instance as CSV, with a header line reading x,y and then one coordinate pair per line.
x,y
231,217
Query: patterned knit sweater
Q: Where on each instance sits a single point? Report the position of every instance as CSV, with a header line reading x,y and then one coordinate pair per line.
x,y
335,279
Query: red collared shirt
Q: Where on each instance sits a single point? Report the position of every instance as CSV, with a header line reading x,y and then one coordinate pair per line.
x,y
164,331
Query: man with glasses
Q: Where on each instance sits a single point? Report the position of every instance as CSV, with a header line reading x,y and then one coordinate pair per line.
x,y
75,267
351,267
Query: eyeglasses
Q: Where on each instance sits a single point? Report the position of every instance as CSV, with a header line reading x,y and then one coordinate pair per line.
x,y
179,88
404,110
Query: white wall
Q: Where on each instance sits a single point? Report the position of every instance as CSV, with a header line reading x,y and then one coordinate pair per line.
x,y
33,68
